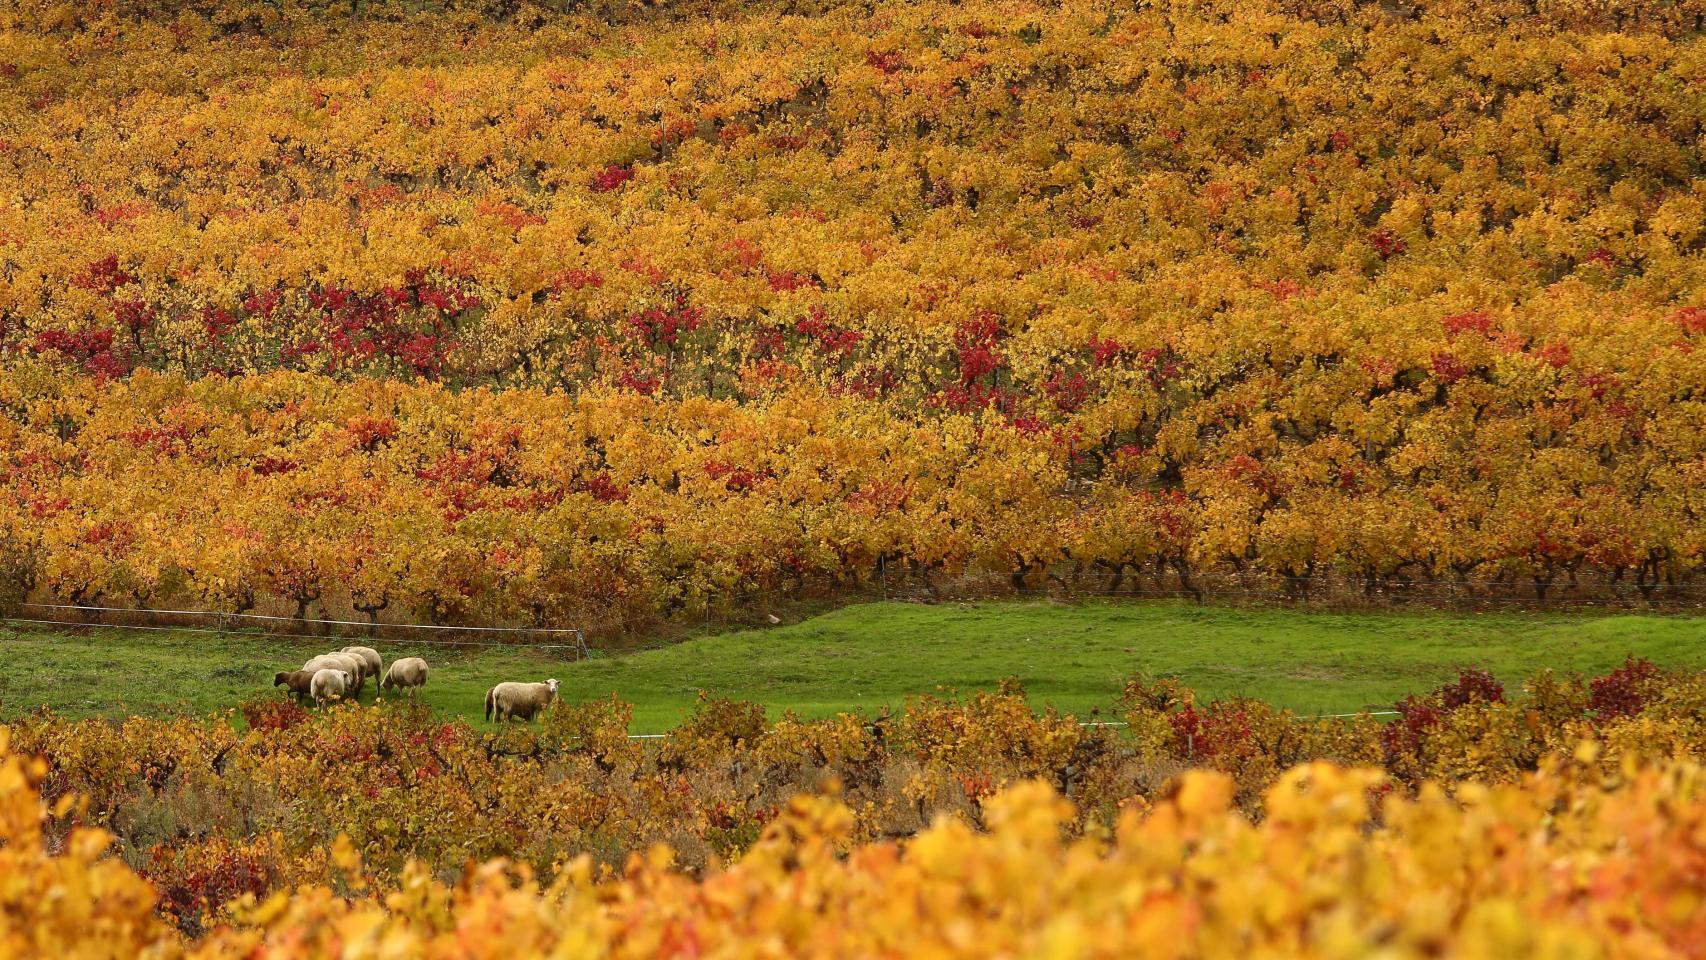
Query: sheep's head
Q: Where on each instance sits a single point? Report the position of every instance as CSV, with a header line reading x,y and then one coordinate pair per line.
x,y
551,685
280,677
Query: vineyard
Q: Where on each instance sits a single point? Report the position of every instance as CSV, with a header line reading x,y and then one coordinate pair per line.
x,y
625,319
1561,818
495,313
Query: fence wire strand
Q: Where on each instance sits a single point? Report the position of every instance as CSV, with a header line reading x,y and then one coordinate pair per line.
x,y
410,642
366,624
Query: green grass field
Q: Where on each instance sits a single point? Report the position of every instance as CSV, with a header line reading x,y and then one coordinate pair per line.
x,y
863,657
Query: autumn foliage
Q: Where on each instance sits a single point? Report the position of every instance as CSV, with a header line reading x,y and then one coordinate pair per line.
x,y
1533,821
208,810
488,312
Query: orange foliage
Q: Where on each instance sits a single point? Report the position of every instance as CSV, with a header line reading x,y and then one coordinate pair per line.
x,y
1259,289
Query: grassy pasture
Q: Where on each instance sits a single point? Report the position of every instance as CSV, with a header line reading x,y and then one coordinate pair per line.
x,y
863,657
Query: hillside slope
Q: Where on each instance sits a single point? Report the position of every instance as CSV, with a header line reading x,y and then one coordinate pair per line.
x,y
496,313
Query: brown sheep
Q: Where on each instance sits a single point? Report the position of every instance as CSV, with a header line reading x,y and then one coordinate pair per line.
x,y
298,682
523,700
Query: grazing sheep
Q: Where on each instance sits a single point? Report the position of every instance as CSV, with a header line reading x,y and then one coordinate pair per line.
x,y
408,672
523,700
357,662
369,659
298,682
359,665
356,667
329,684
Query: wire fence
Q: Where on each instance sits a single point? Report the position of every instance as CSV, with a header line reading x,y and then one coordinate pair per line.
x,y
85,608
574,637
1332,587
755,609
647,629
271,635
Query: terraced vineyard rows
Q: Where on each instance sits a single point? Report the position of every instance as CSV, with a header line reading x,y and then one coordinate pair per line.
x,y
507,315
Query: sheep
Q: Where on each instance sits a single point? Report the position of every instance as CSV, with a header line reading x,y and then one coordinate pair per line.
x,y
357,661
298,682
344,661
507,700
369,658
330,684
356,667
408,672
353,663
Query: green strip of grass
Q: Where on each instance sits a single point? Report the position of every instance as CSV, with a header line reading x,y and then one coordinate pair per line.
x,y
864,657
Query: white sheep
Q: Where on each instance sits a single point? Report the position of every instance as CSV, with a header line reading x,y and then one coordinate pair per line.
x,y
330,684
407,672
356,667
370,660
358,664
523,700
